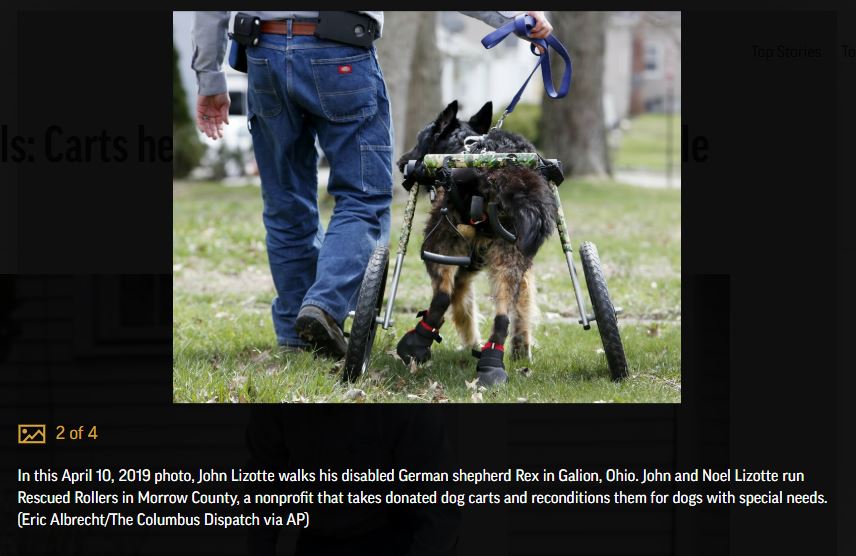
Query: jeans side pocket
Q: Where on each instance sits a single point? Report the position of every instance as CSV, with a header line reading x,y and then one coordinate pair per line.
x,y
263,99
376,164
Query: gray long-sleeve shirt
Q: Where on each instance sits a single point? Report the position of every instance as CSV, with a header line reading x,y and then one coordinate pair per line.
x,y
210,38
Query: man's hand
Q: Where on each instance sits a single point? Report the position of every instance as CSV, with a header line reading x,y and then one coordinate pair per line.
x,y
541,30
211,113
542,27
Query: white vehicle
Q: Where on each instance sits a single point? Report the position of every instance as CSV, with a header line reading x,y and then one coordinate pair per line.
x,y
231,156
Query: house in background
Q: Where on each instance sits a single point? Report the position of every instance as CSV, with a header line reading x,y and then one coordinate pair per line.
x,y
474,75
643,64
642,70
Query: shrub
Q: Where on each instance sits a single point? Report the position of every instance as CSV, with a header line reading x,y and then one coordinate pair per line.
x,y
187,150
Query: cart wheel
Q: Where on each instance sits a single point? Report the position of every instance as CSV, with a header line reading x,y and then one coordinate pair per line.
x,y
604,312
369,304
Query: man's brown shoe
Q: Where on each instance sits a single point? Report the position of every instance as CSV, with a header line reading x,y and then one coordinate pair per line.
x,y
320,331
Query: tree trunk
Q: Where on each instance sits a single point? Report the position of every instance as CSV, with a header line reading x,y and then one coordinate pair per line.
x,y
395,51
410,62
424,99
637,99
573,128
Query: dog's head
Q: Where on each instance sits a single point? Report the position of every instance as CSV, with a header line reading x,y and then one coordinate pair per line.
x,y
446,134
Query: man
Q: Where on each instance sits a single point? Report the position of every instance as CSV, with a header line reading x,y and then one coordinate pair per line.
x,y
302,87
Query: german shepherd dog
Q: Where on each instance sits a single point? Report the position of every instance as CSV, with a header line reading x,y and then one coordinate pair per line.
x,y
527,205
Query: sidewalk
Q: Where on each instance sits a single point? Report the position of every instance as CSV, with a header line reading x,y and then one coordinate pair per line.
x,y
641,178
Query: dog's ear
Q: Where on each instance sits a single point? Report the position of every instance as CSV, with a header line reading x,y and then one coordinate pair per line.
x,y
481,121
447,117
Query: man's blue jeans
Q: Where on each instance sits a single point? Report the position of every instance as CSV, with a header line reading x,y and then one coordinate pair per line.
x,y
301,87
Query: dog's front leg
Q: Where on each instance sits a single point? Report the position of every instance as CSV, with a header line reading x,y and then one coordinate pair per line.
x,y
504,290
442,282
416,344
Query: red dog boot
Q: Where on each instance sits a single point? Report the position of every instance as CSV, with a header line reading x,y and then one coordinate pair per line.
x,y
490,368
416,344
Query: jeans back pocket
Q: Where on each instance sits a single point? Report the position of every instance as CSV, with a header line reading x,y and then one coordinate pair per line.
x,y
346,86
263,98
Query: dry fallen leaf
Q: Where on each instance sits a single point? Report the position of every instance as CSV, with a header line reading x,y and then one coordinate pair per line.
x,y
525,371
355,394
437,393
477,397
522,400
472,385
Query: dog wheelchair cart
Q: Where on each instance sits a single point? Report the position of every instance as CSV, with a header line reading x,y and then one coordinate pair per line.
x,y
369,312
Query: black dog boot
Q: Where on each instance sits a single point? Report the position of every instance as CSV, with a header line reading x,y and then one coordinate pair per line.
x,y
490,368
416,344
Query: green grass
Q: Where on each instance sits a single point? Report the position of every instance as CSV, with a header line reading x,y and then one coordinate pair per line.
x,y
643,146
225,350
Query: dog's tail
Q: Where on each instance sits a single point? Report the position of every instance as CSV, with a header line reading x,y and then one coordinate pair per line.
x,y
526,196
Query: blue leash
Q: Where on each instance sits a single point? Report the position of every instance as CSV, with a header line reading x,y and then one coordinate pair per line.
x,y
522,26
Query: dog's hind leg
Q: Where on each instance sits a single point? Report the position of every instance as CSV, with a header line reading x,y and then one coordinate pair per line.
x,y
416,344
464,310
504,291
524,312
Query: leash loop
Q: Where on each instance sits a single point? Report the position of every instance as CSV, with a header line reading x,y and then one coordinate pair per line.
x,y
522,26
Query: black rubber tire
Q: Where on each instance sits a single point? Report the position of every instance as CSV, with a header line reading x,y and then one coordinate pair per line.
x,y
369,305
604,312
